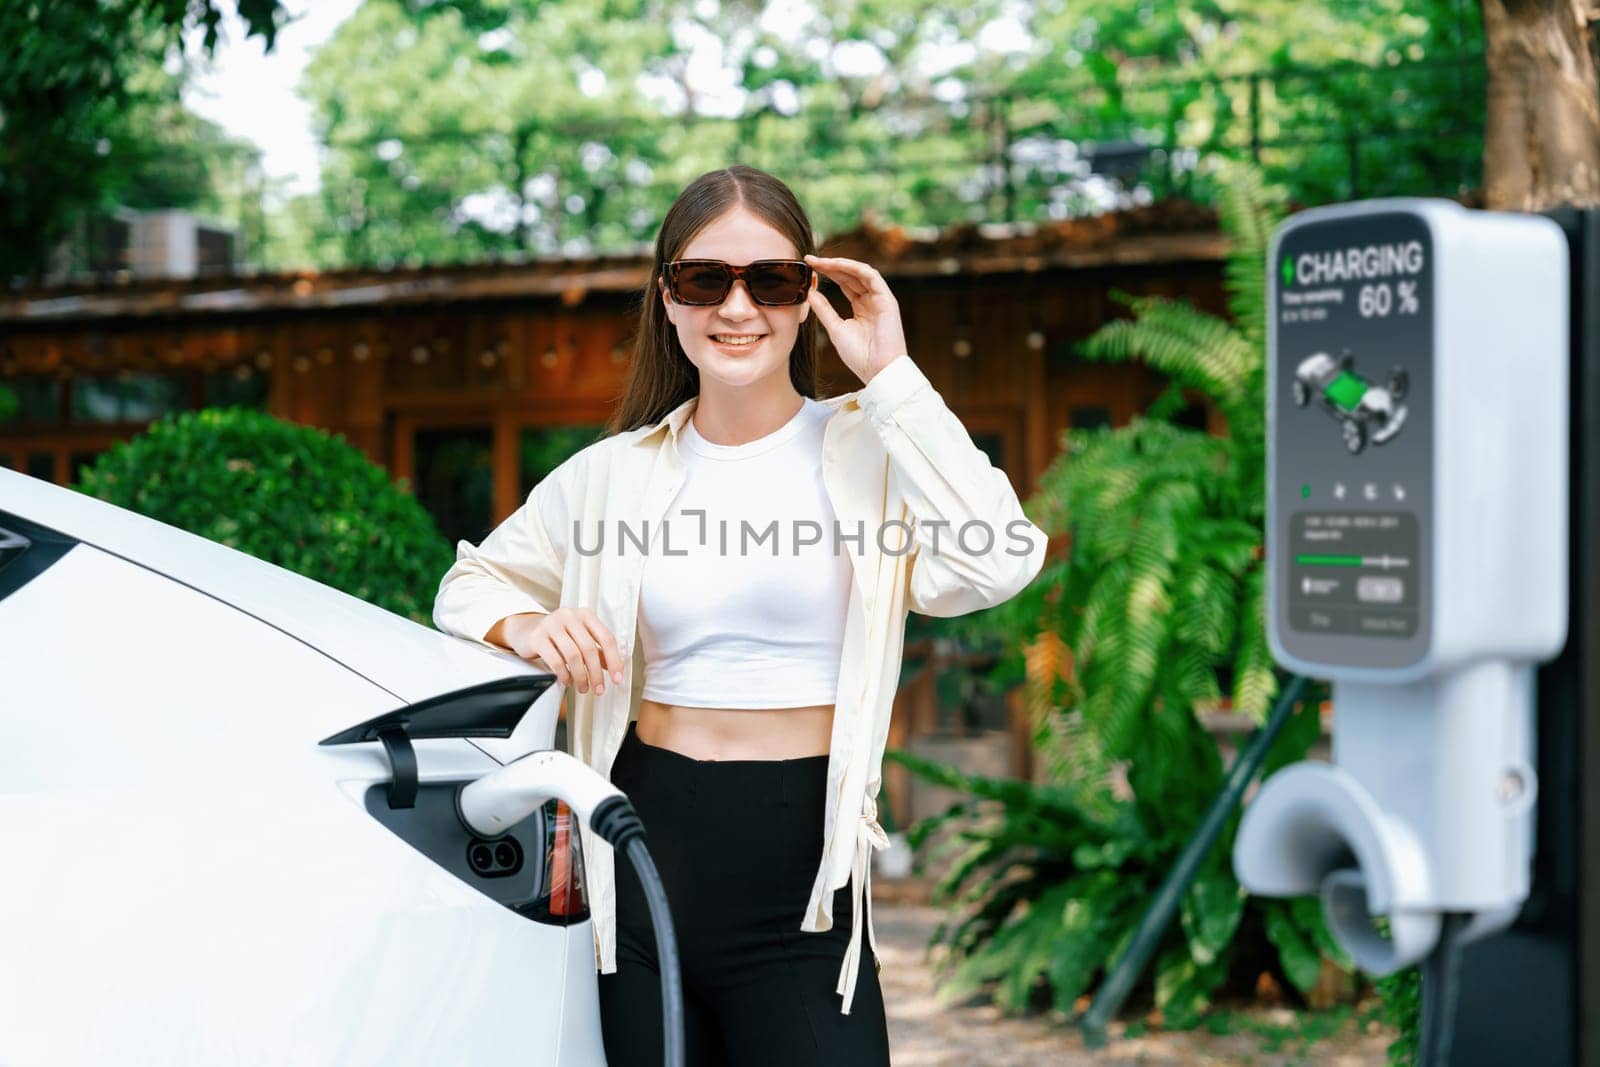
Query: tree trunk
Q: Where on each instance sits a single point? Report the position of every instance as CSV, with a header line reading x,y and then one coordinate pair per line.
x,y
1542,135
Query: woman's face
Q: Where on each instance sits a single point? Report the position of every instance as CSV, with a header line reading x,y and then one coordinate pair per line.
x,y
738,237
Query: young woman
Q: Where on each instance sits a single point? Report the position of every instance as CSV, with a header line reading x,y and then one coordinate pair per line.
x,y
764,546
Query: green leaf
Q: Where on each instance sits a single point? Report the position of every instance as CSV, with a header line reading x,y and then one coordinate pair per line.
x,y
1296,951
1184,987
1210,911
1302,730
1109,853
1307,913
1077,951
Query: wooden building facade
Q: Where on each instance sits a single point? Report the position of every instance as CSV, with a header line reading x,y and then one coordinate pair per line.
x,y
455,379
472,383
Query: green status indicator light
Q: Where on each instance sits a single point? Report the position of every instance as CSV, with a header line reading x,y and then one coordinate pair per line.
x,y
1305,492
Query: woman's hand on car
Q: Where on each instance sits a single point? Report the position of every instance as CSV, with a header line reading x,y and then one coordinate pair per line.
x,y
572,642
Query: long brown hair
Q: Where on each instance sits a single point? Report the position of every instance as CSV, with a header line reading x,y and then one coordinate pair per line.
x,y
661,376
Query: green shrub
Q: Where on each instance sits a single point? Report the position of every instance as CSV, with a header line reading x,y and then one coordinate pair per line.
x,y
288,494
1402,1009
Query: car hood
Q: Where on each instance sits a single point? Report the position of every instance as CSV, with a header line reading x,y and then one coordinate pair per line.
x,y
412,661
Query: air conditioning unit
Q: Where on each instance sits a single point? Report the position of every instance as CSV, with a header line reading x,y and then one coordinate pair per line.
x,y
178,244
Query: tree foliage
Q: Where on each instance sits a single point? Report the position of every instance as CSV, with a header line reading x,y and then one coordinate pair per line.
x,y
464,129
458,131
453,131
90,116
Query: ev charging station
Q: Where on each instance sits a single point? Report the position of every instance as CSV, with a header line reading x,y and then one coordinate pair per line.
x,y
1419,385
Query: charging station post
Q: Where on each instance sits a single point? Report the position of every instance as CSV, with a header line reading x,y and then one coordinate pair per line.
x,y
1417,545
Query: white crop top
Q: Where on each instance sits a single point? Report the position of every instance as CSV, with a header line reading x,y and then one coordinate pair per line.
x,y
744,606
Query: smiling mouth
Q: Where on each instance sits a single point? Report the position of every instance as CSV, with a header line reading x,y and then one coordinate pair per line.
x,y
736,340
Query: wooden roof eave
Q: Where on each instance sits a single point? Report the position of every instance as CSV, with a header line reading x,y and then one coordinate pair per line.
x,y
511,284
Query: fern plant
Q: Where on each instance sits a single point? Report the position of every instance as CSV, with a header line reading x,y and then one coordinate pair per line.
x,y
1159,602
1046,891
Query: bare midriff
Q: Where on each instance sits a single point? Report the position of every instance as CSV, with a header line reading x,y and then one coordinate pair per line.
x,y
737,733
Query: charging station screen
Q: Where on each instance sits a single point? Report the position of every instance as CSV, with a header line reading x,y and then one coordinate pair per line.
x,y
1352,438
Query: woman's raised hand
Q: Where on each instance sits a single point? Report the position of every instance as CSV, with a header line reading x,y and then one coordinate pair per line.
x,y
572,642
873,335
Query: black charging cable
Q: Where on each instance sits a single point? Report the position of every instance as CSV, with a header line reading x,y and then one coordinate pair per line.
x,y
1441,988
616,822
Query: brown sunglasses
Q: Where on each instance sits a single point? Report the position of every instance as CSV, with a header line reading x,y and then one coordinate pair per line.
x,y
773,282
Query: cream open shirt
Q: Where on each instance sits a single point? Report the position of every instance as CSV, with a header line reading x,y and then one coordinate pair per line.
x,y
895,460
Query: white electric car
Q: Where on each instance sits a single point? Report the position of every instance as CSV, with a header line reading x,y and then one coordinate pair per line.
x,y
228,830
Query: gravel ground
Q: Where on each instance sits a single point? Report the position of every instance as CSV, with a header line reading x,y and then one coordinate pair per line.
x,y
923,1032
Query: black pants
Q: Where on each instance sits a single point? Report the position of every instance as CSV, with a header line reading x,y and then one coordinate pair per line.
x,y
737,844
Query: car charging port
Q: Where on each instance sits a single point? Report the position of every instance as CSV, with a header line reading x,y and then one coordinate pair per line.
x,y
499,858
